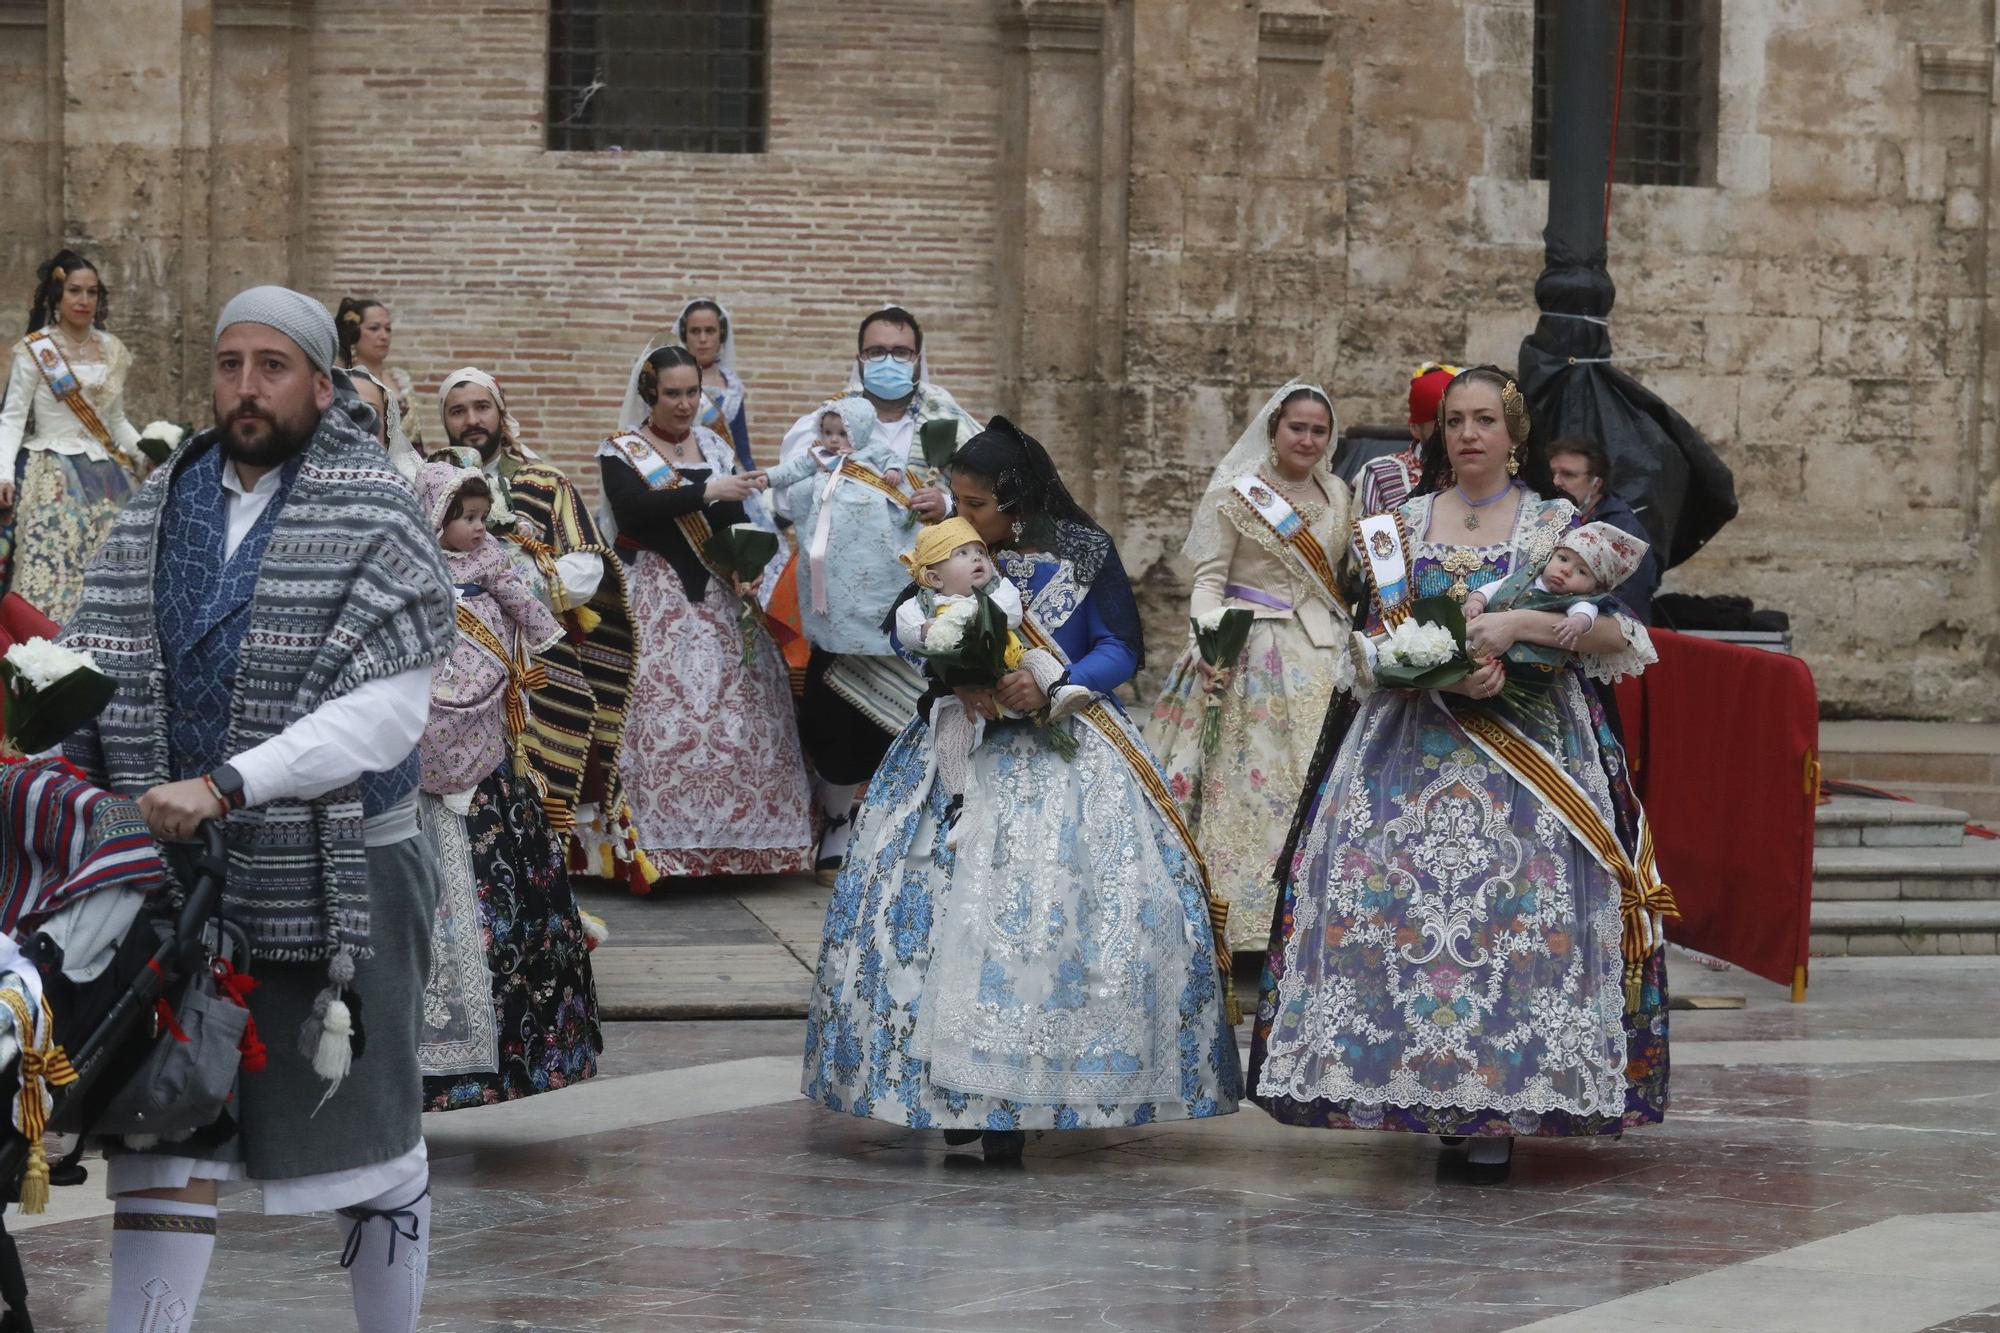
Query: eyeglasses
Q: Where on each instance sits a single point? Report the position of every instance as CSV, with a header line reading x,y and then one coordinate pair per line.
x,y
904,356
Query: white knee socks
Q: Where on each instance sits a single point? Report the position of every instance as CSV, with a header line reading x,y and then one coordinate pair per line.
x,y
160,1250
387,1256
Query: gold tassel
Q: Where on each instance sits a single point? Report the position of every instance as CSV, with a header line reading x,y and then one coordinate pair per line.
x,y
42,1062
35,1183
587,620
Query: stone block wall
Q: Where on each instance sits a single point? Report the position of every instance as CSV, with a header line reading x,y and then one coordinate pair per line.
x,y
1124,221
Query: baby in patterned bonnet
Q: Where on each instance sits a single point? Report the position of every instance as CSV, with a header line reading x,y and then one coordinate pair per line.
x,y
1592,560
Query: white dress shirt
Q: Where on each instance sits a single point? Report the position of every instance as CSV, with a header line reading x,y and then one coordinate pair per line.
x,y
370,729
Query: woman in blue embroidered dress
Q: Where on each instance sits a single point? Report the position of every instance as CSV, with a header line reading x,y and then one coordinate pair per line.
x,y
1447,957
1043,959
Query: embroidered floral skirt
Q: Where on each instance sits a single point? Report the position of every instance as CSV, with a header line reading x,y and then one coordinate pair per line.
x,y
1240,800
1446,955
1047,965
63,507
710,760
510,1008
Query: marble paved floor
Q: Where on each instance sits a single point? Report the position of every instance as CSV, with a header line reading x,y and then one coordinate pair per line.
x,y
1831,1166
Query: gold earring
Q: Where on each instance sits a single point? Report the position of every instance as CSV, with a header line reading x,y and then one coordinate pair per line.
x,y
1513,463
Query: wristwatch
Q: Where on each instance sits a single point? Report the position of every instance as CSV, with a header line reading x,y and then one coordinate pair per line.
x,y
226,784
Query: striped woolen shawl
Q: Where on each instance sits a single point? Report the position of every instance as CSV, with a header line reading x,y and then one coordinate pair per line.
x,y
352,589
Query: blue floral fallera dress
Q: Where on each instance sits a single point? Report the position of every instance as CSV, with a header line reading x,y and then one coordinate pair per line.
x,y
1048,965
1446,955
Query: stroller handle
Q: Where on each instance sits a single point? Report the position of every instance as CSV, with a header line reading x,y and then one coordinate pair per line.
x,y
210,871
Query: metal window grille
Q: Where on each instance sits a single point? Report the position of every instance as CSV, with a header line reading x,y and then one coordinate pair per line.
x,y
1666,121
686,76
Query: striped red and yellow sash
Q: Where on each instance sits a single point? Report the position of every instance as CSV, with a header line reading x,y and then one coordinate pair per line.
x,y
664,476
1101,720
1285,523
1639,887
42,350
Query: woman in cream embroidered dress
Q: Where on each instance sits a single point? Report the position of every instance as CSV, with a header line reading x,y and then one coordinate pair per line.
x,y
710,759
1044,960
60,485
1240,799
1447,956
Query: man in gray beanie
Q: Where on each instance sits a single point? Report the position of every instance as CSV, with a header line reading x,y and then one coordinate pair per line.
x,y
270,605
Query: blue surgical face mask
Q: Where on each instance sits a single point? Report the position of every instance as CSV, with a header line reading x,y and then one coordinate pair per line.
x,y
888,378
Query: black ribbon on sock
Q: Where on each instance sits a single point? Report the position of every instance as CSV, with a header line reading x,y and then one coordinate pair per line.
x,y
361,1216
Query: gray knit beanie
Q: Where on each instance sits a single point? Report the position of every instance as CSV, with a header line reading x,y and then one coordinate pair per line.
x,y
294,314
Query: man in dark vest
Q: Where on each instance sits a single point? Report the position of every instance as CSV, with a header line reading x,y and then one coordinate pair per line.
x,y
270,606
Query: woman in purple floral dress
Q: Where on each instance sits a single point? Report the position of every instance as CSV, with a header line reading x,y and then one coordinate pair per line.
x,y
1468,941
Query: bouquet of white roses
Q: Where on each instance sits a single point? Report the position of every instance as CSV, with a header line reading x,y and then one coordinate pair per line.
x,y
1427,650
51,691
160,438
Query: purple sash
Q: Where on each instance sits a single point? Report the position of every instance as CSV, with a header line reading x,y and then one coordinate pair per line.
x,y
1243,593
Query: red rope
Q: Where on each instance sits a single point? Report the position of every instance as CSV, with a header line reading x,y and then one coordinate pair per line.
x,y
1617,107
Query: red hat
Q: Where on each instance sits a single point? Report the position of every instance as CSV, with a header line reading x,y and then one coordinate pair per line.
x,y
1427,385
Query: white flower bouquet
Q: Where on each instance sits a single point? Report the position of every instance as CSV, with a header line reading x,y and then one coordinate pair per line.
x,y
51,691
160,438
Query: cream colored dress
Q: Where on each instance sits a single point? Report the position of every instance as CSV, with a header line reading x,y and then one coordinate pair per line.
x,y
1239,800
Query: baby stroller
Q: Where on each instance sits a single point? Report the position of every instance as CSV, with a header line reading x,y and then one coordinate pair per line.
x,y
98,961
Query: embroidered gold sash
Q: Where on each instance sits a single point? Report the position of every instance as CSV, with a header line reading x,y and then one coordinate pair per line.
x,y
664,476
1639,887
64,384
872,479
1276,513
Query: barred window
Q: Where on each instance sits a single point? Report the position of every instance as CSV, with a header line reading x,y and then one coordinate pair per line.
x,y
685,76
1666,116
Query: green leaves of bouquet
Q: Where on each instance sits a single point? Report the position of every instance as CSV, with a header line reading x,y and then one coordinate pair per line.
x,y
741,551
1220,637
51,692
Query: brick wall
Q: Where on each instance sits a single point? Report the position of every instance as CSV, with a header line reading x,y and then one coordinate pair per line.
x,y
430,189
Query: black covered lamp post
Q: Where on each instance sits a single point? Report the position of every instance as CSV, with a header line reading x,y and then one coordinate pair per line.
x,y
1662,466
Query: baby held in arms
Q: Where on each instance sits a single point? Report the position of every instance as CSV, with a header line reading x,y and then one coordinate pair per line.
x,y
960,614
1578,579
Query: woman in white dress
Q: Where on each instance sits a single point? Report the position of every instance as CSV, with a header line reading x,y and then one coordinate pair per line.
x,y
67,452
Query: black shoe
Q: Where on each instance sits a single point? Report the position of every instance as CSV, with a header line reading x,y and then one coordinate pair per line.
x,y
958,1138
1003,1145
69,1171
1452,1140
1491,1173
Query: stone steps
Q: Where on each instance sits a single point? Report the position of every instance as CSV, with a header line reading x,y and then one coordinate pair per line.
x,y
1856,821
1952,764
1900,879
1904,928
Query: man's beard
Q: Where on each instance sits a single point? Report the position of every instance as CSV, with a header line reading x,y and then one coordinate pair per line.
x,y
274,441
488,447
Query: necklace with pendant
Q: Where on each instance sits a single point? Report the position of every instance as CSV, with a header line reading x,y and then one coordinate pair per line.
x,y
1472,506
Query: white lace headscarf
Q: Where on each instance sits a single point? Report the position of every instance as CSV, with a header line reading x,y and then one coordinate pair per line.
x,y
1250,453
402,453
633,410
733,395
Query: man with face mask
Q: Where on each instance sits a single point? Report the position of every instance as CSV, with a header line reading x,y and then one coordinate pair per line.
x,y
578,718
859,695
269,606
